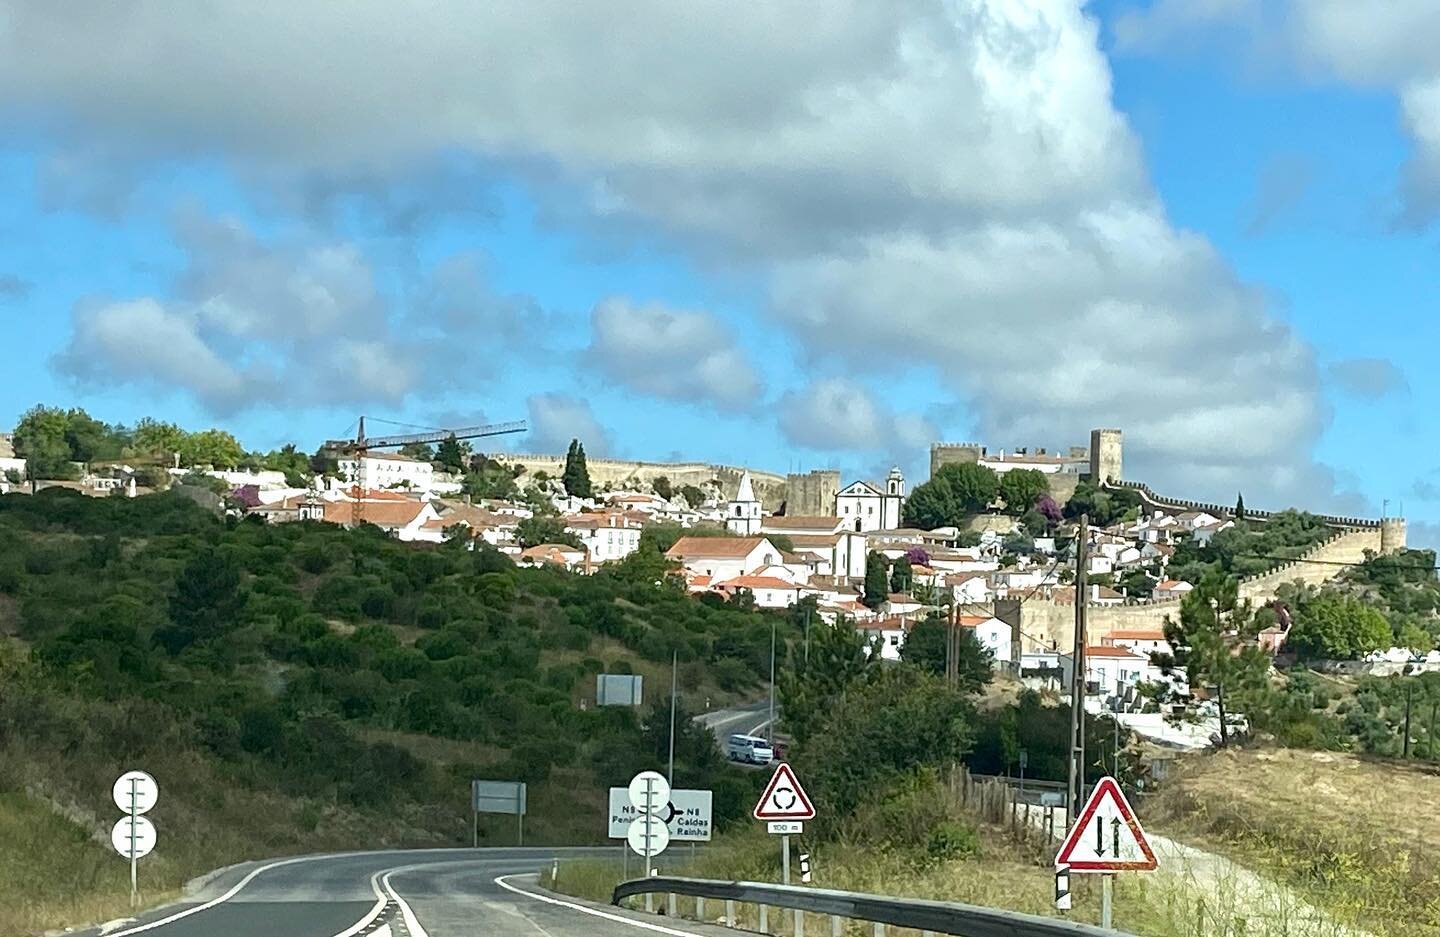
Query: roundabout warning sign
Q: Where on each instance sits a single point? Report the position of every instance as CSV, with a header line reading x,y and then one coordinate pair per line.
x,y
784,798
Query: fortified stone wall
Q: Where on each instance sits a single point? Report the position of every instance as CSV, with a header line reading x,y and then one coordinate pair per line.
x,y
770,488
1043,620
1155,502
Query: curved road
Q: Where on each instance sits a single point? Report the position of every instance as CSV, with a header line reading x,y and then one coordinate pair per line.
x,y
403,893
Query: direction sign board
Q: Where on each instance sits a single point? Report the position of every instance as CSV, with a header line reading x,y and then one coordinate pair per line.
x,y
135,792
498,797
687,814
133,837
648,835
1107,837
649,792
784,798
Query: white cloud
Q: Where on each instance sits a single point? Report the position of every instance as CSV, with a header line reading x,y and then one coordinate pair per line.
x,y
252,322
841,414
143,342
557,418
672,353
943,185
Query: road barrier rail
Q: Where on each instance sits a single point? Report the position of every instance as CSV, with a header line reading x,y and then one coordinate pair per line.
x,y
932,917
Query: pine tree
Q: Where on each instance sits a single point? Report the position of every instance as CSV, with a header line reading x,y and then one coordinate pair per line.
x,y
1214,645
1239,507
877,585
451,454
576,477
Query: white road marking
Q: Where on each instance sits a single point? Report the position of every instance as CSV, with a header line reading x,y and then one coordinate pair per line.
x,y
412,923
216,901
593,912
370,915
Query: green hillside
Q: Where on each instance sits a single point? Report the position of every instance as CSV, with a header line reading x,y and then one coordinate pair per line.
x,y
301,686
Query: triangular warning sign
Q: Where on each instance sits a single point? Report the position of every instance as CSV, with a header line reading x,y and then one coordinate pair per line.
x,y
784,798
1107,837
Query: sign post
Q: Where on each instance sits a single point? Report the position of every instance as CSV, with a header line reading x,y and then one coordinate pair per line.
x,y
497,797
134,792
784,805
1106,838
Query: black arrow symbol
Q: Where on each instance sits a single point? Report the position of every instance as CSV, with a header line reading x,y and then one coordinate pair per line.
x,y
1099,836
1115,828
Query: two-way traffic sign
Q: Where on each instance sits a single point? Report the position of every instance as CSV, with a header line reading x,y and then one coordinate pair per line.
x,y
784,798
1107,837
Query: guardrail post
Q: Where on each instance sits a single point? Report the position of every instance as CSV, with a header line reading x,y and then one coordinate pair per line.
x,y
729,913
799,917
699,907
879,929
764,919
837,925
671,905
649,902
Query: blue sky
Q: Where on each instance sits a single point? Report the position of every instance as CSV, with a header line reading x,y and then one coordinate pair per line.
x,y
762,242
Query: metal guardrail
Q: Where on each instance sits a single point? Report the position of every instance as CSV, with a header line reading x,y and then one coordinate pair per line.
x,y
937,917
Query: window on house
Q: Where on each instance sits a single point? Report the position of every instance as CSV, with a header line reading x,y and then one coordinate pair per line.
x,y
894,640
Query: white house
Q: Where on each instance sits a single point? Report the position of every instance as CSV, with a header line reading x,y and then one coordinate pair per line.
x,y
897,603
890,632
608,536
1141,641
742,513
1172,589
1110,670
869,506
970,588
553,554
992,633
769,591
387,470
722,558
840,554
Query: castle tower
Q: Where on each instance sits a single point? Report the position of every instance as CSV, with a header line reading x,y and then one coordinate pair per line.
x,y
1392,535
811,493
947,453
1105,456
742,514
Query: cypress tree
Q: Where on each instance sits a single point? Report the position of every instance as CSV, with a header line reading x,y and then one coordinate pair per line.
x,y
576,477
876,581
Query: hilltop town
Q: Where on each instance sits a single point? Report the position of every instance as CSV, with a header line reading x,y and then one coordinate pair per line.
x,y
986,543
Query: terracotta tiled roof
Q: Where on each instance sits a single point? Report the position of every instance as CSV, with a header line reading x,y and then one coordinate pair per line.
x,y
731,547
380,513
803,522
1136,634
1112,652
757,582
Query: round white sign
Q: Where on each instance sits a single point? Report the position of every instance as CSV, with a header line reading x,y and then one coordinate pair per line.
x,y
648,835
136,792
649,792
133,837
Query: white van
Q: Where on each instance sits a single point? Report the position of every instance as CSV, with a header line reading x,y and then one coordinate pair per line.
x,y
749,748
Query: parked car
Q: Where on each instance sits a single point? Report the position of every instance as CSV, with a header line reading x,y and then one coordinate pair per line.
x,y
751,749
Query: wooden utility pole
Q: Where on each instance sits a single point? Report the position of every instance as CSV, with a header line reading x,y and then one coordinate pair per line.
x,y
1076,789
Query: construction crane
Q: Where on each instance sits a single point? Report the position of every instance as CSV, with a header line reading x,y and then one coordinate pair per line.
x,y
360,447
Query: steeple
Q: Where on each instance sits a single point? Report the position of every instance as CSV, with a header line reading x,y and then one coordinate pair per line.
x,y
742,514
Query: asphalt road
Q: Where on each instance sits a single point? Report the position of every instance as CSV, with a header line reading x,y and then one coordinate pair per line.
x,y
742,720
405,893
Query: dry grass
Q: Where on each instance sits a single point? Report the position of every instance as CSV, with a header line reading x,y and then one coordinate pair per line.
x,y
1359,838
